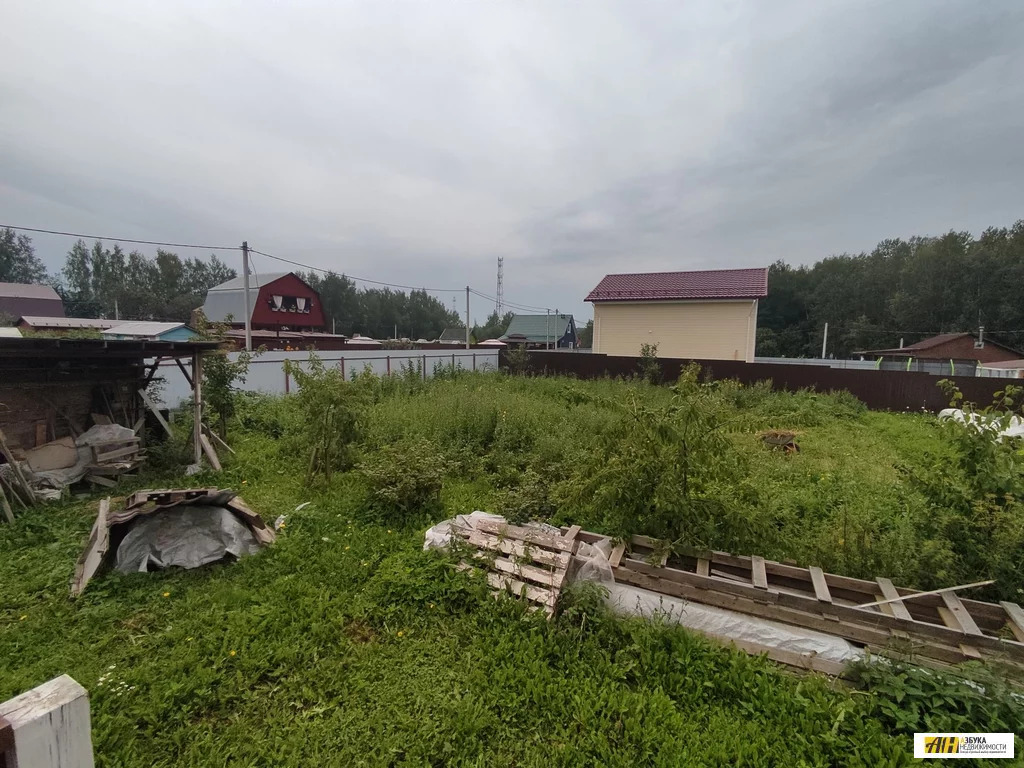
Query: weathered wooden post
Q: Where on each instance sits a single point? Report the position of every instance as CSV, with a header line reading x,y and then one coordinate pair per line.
x,y
47,727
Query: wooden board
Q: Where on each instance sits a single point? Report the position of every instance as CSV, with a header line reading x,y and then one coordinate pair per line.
x,y
540,538
757,572
889,592
515,548
1014,619
49,726
960,613
156,412
820,586
95,550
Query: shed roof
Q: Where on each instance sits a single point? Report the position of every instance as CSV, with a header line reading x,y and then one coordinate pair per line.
x,y
142,329
537,327
228,299
68,322
702,284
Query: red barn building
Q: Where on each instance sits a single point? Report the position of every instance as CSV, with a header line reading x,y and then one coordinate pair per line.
x,y
280,301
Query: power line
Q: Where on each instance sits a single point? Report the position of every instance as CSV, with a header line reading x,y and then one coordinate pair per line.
x,y
513,304
123,239
353,277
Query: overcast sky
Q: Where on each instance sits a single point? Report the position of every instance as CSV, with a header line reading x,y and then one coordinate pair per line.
x,y
418,141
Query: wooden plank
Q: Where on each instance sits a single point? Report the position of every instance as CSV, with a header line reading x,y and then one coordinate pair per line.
x,y
514,548
617,553
963,617
703,566
757,573
94,552
217,439
106,482
820,586
524,572
572,533
156,412
185,373
941,592
211,455
21,484
504,530
891,596
111,455
100,419
1014,619
40,433
138,425
50,726
8,512
522,589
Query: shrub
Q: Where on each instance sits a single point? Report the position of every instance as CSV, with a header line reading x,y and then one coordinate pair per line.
x,y
650,368
405,479
331,410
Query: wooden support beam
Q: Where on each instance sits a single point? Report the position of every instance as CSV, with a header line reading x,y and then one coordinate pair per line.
x,y
703,566
892,599
216,438
211,455
151,373
184,372
757,573
820,585
1014,619
156,412
197,408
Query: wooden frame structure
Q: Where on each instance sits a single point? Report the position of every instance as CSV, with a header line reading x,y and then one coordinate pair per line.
x,y
937,627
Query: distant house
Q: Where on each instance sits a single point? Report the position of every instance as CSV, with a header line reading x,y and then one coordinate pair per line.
x,y
61,324
279,301
454,335
703,315
151,331
17,299
948,346
541,331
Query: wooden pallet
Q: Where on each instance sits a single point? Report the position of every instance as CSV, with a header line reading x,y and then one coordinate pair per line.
x,y
525,562
939,629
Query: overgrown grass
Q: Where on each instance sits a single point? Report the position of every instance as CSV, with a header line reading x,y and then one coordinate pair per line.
x,y
345,644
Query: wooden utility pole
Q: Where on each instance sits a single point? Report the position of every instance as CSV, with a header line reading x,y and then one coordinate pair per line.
x,y
245,292
467,317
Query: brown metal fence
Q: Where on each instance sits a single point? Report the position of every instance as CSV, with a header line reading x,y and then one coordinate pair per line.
x,y
879,390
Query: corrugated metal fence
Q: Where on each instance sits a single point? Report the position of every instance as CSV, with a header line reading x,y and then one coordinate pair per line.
x,y
879,390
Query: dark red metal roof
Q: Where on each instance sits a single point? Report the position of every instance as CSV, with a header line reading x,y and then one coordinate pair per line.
x,y
703,284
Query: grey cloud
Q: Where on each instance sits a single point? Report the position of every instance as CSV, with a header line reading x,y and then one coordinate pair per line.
x,y
416,142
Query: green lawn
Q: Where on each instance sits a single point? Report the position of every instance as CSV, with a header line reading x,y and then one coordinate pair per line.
x,y
344,644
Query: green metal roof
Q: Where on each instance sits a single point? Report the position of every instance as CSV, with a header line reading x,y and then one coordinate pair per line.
x,y
538,327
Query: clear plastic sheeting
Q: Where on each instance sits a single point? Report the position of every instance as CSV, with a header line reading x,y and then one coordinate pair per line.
x,y
727,625
185,537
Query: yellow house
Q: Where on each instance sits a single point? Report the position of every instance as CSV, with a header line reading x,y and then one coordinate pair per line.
x,y
705,315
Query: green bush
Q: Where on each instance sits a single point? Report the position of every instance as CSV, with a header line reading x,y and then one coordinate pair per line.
x,y
404,479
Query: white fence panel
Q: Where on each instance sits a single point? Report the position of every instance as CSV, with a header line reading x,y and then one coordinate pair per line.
x,y
266,373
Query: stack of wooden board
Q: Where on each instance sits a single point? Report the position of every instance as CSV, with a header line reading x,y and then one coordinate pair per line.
x,y
936,628
114,458
528,562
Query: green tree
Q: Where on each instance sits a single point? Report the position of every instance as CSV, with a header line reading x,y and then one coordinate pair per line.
x,y
18,260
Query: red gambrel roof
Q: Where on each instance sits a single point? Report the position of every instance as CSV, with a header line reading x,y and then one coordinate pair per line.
x,y
703,284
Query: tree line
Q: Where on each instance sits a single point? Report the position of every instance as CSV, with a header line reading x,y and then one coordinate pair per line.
x,y
98,281
903,289
101,281
381,313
